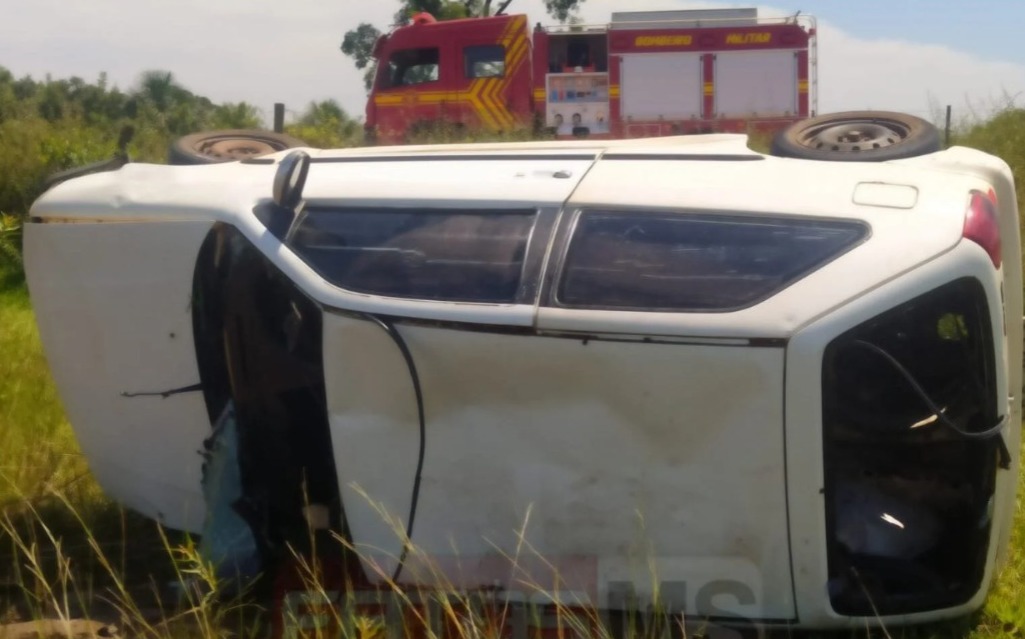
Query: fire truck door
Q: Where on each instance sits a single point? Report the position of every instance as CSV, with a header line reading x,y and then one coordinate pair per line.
x,y
415,84
482,68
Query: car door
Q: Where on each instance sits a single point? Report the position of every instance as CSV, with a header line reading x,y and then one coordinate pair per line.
x,y
670,380
429,295
680,432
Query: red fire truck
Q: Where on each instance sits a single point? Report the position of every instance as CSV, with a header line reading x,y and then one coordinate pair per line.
x,y
643,74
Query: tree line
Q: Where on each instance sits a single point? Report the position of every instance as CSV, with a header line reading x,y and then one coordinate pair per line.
x,y
52,124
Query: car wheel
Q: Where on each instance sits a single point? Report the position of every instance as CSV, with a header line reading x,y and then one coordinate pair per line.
x,y
857,136
229,145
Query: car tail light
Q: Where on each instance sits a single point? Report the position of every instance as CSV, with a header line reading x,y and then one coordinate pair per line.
x,y
981,224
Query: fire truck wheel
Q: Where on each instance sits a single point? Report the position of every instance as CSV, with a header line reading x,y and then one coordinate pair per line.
x,y
858,136
228,145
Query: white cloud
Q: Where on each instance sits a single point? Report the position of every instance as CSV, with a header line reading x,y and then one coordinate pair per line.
x,y
260,51
906,76
266,51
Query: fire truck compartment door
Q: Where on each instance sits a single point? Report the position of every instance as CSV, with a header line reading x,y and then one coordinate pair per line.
x,y
762,83
661,85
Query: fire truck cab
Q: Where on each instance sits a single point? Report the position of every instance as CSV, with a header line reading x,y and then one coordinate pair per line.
x,y
644,74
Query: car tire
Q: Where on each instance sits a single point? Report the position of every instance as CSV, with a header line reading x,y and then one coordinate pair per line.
x,y
858,136
228,145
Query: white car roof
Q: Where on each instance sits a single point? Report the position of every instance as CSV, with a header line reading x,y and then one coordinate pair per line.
x,y
713,143
915,208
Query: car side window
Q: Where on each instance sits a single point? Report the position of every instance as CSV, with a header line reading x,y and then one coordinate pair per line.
x,y
458,256
484,61
693,262
412,66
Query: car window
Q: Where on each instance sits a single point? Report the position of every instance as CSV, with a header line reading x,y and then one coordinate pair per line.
x,y
484,61
640,261
411,66
460,256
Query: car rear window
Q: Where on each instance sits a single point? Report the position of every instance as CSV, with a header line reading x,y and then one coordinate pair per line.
x,y
693,262
461,256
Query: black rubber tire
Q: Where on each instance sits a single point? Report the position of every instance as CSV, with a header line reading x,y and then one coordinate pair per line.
x,y
858,136
228,145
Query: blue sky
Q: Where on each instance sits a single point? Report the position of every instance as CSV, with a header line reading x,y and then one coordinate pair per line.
x,y
909,55
992,29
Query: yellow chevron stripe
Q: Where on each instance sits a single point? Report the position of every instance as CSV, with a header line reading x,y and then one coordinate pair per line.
x,y
485,100
494,102
472,99
519,52
709,88
508,31
494,97
520,49
539,94
486,114
802,86
614,91
476,95
489,100
515,28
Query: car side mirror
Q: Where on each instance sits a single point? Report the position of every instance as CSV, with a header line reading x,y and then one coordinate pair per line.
x,y
281,215
290,179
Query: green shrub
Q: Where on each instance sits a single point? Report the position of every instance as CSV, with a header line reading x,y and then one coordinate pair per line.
x,y
10,241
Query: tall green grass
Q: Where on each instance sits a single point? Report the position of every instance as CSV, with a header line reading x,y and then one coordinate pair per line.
x,y
39,450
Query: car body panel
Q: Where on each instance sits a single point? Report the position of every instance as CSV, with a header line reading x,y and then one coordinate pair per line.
x,y
113,304
804,442
562,447
551,430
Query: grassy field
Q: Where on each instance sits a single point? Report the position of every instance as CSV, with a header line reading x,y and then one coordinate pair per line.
x,y
65,548
66,551
31,418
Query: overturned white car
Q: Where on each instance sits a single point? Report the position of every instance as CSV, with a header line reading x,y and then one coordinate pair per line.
x,y
657,364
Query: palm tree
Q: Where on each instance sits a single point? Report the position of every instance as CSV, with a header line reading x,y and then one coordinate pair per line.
x,y
241,115
160,89
323,112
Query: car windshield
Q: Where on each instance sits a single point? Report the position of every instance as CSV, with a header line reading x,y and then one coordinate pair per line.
x,y
410,66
